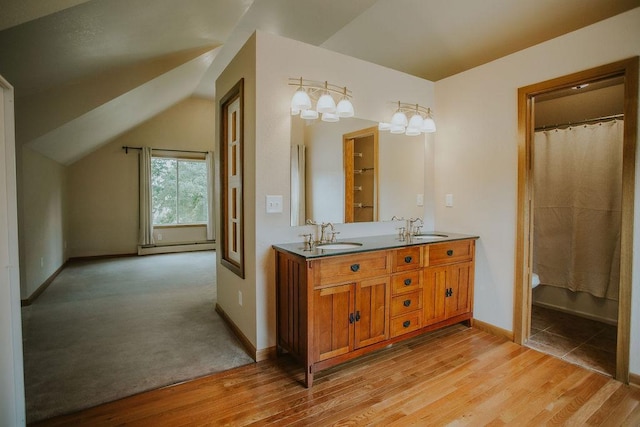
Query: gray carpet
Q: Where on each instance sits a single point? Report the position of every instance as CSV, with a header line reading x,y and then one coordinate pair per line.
x,y
110,328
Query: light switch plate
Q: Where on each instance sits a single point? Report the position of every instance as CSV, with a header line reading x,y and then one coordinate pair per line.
x,y
274,204
448,200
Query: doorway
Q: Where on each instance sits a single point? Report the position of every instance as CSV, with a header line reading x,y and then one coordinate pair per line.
x,y
627,70
360,150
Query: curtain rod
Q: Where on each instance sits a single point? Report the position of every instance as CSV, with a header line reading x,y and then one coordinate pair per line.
x,y
127,148
582,122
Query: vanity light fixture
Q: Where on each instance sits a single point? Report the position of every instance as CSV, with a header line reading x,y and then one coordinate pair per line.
x,y
421,120
323,93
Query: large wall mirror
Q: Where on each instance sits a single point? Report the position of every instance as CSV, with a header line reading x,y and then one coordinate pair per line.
x,y
322,177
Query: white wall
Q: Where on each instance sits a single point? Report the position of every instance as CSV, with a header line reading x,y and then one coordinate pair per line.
x,y
476,154
42,219
375,91
243,65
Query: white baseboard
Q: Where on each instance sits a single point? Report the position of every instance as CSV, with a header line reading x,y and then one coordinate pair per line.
x,y
172,248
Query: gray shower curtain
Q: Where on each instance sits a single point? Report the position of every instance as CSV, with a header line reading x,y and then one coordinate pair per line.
x,y
577,207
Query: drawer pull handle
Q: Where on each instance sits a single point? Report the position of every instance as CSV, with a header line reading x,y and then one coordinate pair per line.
x,y
351,318
407,282
355,267
450,252
357,316
407,302
406,323
408,259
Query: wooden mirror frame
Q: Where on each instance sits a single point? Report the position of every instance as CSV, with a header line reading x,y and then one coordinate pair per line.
x,y
232,178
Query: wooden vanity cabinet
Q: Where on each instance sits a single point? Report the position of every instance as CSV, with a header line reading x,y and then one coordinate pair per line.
x,y
332,309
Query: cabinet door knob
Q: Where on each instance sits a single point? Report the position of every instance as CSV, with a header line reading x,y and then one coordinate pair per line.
x,y
450,252
355,267
408,259
406,323
407,282
357,316
407,302
351,318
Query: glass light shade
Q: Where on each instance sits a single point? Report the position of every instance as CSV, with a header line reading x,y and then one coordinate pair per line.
x,y
384,126
326,104
330,117
411,131
300,101
428,126
294,112
399,119
309,114
416,122
345,108
397,128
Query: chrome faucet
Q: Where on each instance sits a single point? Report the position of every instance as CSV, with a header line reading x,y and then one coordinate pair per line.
x,y
323,226
410,229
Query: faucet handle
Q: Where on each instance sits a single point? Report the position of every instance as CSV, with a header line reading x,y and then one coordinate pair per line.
x,y
308,240
333,235
418,229
401,231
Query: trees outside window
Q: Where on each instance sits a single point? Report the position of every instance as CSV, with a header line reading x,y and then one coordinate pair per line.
x,y
179,191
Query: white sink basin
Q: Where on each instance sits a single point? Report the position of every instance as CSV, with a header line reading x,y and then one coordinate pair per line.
x,y
431,236
341,245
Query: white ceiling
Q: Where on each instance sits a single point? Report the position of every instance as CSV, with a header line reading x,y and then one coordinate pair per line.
x,y
55,52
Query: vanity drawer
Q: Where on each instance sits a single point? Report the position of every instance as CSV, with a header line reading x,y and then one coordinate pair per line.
x,y
405,324
406,282
450,252
351,268
406,303
407,258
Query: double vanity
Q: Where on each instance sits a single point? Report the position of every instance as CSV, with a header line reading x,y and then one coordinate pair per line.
x,y
341,300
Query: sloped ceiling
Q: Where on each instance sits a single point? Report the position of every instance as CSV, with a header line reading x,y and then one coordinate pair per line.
x,y
86,71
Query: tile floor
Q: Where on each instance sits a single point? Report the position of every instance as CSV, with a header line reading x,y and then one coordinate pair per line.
x,y
575,339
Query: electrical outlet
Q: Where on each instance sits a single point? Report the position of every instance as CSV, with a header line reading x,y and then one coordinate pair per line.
x,y
159,236
240,298
420,200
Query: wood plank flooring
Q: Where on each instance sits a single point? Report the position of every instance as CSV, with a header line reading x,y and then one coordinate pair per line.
x,y
455,376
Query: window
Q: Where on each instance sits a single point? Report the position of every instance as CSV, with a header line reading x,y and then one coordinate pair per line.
x,y
179,191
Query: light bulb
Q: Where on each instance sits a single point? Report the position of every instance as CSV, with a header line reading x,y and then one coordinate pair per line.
x,y
300,101
399,119
309,114
345,108
326,104
330,117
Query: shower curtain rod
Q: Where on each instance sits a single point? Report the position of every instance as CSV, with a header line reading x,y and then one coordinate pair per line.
x,y
582,122
127,148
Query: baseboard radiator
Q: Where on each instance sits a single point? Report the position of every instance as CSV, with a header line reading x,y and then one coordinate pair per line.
x,y
176,247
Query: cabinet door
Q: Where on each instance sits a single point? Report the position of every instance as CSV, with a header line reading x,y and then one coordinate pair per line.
x,y
457,299
433,295
372,311
333,321
447,292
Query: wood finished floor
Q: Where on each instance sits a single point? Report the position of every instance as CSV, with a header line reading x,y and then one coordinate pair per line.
x,y
456,376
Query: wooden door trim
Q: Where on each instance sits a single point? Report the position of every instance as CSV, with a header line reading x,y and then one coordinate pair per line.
x,y
522,292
